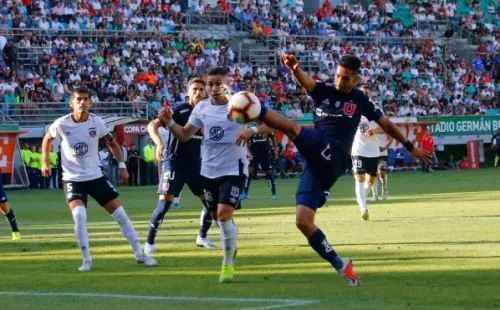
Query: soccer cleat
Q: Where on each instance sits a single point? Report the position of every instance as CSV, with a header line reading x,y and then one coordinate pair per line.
x,y
205,243
348,272
385,195
365,215
149,249
226,274
274,196
177,205
244,196
16,235
147,260
86,266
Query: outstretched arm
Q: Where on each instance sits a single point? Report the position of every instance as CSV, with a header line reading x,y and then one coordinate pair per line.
x,y
247,133
386,144
302,78
181,133
392,130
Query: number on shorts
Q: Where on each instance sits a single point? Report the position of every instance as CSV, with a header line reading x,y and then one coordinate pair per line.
x,y
357,164
69,188
169,175
208,196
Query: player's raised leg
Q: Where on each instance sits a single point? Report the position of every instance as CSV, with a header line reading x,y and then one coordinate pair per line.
x,y
115,208
8,212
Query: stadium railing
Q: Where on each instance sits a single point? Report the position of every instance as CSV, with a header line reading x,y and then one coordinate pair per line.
x,y
44,113
92,33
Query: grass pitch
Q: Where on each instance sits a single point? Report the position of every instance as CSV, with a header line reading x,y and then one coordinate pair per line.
x,y
434,244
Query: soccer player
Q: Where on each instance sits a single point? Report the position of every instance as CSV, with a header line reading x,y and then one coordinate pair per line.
x,y
495,145
383,162
224,163
8,212
365,153
258,148
80,133
180,164
339,107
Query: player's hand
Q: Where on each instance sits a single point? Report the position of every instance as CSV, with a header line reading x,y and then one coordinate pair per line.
x,y
249,156
123,176
243,136
46,170
369,132
425,156
290,61
159,152
165,114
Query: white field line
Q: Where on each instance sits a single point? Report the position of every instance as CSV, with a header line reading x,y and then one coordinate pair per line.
x,y
278,302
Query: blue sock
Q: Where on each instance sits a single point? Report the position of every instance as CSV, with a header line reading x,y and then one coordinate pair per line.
x,y
157,218
272,184
11,217
319,243
205,220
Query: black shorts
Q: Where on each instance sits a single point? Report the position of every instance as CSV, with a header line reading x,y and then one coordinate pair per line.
x,y
172,181
262,160
383,163
3,195
224,190
365,165
100,189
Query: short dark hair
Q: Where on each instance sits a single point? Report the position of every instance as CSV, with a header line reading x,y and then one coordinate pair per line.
x,y
350,62
217,71
196,80
79,90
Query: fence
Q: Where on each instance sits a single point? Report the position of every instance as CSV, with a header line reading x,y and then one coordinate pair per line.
x,y
43,113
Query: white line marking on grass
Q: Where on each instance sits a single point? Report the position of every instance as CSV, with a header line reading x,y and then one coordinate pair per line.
x,y
282,303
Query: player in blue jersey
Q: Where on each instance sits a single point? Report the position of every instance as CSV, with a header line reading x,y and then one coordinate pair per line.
x,y
258,147
180,164
339,107
8,212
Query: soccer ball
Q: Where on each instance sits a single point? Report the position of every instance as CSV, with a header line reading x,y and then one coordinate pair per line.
x,y
243,107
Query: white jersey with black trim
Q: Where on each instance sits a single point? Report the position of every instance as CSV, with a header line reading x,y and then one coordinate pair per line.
x,y
79,146
219,152
363,145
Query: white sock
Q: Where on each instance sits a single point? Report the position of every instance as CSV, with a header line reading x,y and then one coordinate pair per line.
x,y
228,236
368,188
375,187
384,183
81,234
361,195
128,230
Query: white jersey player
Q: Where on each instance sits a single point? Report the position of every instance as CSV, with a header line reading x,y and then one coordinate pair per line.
x,y
385,143
80,133
224,163
365,154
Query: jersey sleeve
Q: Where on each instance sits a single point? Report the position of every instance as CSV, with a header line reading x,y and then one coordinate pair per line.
x,y
319,92
54,129
195,117
101,127
371,111
176,116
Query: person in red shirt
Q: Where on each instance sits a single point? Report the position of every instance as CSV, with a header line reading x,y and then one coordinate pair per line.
x,y
288,159
427,145
465,163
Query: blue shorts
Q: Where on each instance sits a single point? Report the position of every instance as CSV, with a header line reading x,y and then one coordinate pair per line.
x,y
171,181
3,195
325,163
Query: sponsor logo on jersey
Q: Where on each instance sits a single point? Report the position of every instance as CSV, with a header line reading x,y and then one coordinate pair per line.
x,y
216,133
81,149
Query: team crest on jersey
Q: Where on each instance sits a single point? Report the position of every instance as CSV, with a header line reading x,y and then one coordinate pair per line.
x,y
81,149
92,132
216,133
363,127
349,108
